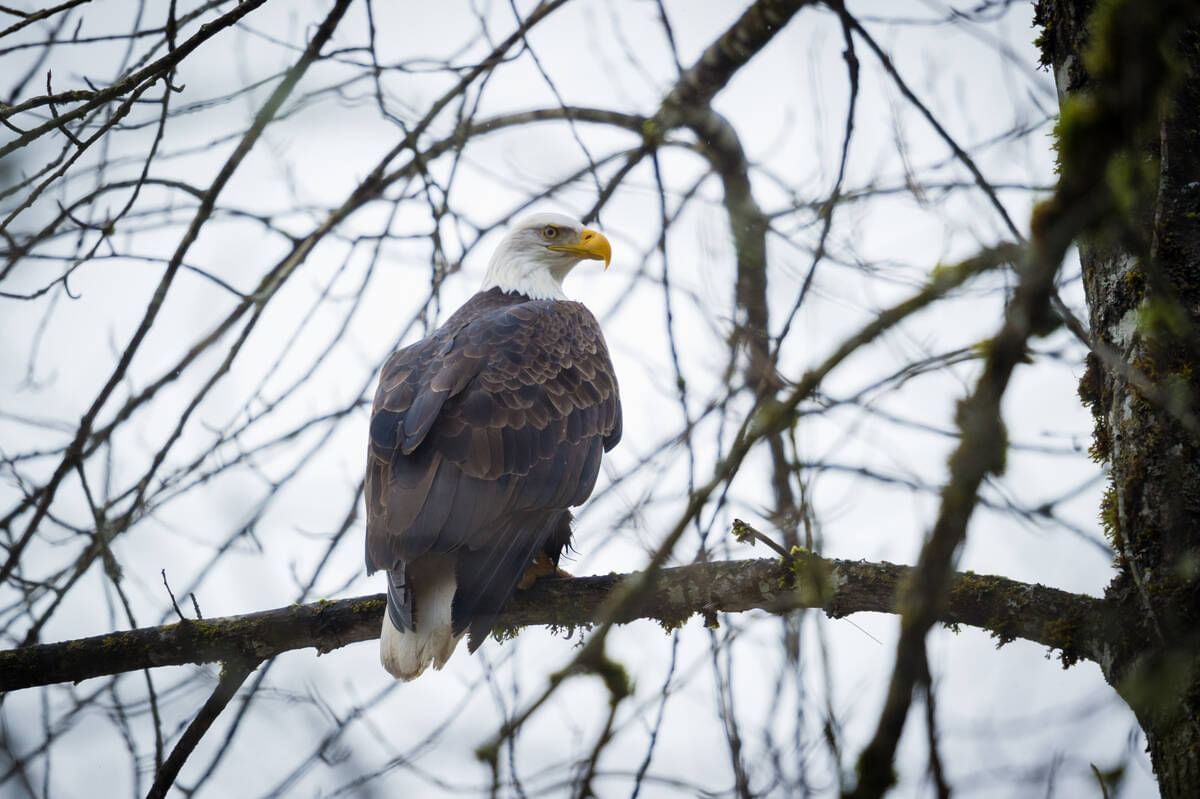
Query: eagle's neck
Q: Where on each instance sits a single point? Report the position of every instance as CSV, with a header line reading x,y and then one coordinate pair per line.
x,y
522,273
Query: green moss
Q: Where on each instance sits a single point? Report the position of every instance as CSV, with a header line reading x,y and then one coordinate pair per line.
x,y
769,415
1043,19
1099,28
487,753
1132,180
1162,318
1061,634
1004,603
1044,213
568,630
502,632
970,587
1044,42
811,577
1091,394
944,274
16,659
1001,630
367,606
1110,520
1078,117
1135,281
207,629
983,348
673,623
615,677
1105,25
652,133
742,532
1177,387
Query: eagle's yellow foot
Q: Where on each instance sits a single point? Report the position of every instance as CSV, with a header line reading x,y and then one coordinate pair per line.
x,y
542,566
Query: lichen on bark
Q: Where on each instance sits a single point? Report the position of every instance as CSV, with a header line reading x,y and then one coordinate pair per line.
x,y
1141,276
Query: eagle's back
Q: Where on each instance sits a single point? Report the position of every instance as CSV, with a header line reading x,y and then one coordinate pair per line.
x,y
482,436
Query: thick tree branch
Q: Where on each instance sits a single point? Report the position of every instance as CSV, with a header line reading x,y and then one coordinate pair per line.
x,y
1072,623
743,40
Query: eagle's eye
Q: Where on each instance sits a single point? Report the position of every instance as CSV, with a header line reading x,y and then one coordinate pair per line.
x,y
549,232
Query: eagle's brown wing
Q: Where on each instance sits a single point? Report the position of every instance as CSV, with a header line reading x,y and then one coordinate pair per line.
x,y
482,436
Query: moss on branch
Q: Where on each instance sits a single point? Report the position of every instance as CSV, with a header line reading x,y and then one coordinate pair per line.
x,y
1071,623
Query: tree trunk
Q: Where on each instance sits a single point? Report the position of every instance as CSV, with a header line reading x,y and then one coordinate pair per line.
x,y
1142,281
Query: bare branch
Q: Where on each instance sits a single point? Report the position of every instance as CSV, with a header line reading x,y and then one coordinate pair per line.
x,y
146,75
233,674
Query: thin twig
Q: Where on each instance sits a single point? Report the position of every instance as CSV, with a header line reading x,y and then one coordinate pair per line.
x,y
171,594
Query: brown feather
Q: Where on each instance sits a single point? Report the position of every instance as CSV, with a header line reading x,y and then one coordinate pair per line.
x,y
482,436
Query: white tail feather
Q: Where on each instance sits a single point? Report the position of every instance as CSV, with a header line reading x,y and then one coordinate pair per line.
x,y
406,654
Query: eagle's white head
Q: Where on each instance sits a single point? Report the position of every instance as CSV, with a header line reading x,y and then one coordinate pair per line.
x,y
538,253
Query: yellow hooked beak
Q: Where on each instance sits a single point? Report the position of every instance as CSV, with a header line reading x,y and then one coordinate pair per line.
x,y
592,245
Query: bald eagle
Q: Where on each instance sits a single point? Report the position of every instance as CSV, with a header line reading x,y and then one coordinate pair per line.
x,y
482,437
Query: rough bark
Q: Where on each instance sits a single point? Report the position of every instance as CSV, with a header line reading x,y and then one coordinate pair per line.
x,y
1076,626
1142,281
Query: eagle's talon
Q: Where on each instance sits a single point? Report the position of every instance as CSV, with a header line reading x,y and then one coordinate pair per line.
x,y
541,567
